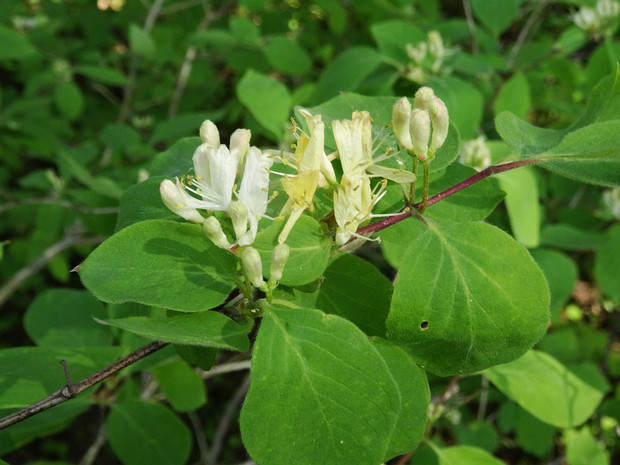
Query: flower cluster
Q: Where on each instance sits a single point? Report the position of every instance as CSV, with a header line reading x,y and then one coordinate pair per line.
x,y
599,21
427,121
427,57
234,179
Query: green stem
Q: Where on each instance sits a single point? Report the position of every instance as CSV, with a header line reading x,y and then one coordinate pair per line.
x,y
425,187
414,170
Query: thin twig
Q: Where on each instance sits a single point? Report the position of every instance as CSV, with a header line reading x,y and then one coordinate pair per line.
x,y
90,456
72,390
61,203
70,240
471,25
226,419
226,368
525,31
199,434
407,211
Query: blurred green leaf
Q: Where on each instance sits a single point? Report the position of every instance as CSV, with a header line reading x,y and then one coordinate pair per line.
x,y
182,386
145,432
268,100
514,96
140,42
607,263
14,46
287,55
496,16
107,76
69,100
547,389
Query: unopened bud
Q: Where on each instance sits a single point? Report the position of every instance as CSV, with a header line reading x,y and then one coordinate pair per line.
x,y
420,132
238,213
213,230
209,134
441,123
175,198
401,120
279,257
252,266
240,144
423,98
435,44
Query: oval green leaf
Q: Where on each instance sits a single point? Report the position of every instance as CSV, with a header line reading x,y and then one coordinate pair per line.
x,y
467,297
206,329
161,263
547,389
320,388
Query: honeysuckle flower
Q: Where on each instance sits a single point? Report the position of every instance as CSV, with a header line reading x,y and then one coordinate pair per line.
x,y
215,173
401,120
176,199
300,190
279,258
476,154
254,191
420,132
353,204
313,156
252,266
209,134
239,146
213,230
429,122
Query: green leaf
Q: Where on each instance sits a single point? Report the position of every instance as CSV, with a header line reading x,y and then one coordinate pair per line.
x,y
345,73
309,250
533,435
69,100
589,154
160,263
496,16
567,237
141,42
31,373
607,264
14,46
464,102
411,381
186,124
142,202
582,448
389,37
465,455
103,75
145,432
547,389
206,329
561,273
119,136
522,204
356,290
99,184
467,297
181,385
514,96
268,100
176,160
287,55
64,318
525,139
326,414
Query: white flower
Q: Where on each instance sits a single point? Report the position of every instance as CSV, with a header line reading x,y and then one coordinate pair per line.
x,y
313,156
254,191
176,199
215,172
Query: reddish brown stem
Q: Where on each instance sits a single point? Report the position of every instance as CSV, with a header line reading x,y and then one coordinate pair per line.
x,y
410,211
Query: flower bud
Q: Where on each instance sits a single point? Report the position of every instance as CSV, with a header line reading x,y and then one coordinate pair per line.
x,y
252,266
401,120
238,213
240,144
420,132
279,257
441,123
209,134
435,44
423,98
175,198
213,230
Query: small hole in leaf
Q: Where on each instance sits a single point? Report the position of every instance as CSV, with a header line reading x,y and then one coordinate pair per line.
x,y
424,325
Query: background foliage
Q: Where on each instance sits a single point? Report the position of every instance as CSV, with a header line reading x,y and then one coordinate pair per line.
x,y
91,93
